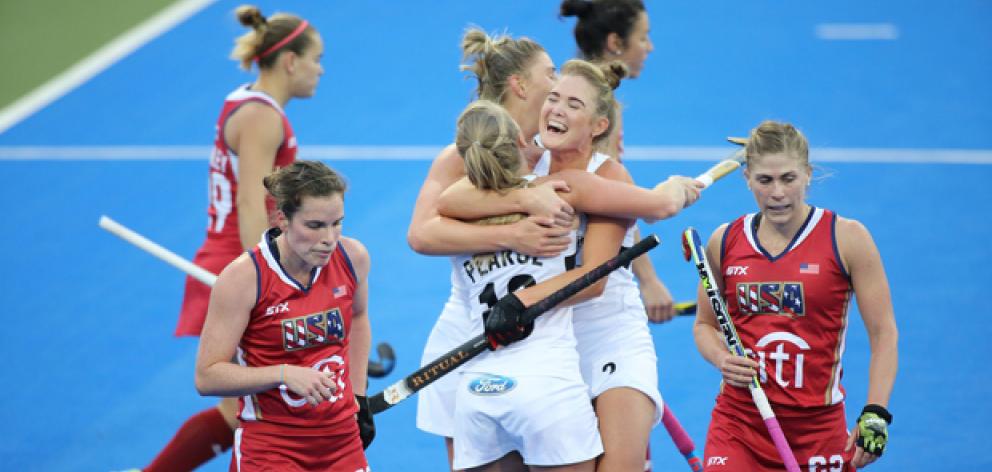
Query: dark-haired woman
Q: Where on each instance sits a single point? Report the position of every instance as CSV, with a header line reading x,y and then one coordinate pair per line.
x,y
287,331
253,137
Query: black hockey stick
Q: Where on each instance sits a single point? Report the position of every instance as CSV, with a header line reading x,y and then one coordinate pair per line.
x,y
448,362
387,361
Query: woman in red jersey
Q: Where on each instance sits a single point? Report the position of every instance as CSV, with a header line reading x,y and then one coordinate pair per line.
x,y
787,273
253,137
292,314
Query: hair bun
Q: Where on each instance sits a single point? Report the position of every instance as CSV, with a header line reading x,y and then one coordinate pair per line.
x,y
578,8
250,15
615,71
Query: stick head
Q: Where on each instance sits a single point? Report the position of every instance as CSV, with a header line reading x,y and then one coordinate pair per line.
x,y
687,244
738,141
386,364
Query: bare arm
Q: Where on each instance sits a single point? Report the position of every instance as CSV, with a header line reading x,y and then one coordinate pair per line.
x,y
657,300
871,287
594,194
602,242
736,371
603,239
464,201
231,301
430,233
588,193
361,330
254,132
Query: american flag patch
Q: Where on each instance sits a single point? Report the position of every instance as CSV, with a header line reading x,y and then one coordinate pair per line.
x,y
340,291
807,268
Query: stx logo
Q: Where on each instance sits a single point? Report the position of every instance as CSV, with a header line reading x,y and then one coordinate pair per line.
x,y
771,298
275,310
312,330
716,460
736,270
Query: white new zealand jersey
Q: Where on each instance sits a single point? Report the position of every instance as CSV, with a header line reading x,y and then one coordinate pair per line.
x,y
621,288
614,344
550,349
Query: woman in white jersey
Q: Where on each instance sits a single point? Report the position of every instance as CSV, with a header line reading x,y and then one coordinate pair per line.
x,y
618,360
608,30
530,397
517,74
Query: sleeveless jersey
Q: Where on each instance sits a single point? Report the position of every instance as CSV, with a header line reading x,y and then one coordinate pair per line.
x,y
299,326
790,310
550,349
222,223
620,284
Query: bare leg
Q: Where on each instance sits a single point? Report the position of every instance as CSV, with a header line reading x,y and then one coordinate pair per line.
x,y
625,419
450,444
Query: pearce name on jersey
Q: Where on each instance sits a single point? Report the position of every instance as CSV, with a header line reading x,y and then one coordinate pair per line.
x,y
488,263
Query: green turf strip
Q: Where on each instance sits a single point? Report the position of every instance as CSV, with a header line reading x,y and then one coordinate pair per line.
x,y
41,38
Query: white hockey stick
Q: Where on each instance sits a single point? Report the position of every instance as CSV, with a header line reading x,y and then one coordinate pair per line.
x,y
171,258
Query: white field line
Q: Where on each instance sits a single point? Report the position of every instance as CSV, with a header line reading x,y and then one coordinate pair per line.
x,y
97,62
424,153
857,32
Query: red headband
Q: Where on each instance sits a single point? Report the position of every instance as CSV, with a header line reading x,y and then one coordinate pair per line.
x,y
289,37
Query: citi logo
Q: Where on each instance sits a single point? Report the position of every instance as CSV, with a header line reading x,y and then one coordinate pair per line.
x,y
491,385
716,460
736,270
276,309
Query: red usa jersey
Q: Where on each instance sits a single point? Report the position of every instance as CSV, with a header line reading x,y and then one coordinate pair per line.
x,y
790,309
303,327
222,224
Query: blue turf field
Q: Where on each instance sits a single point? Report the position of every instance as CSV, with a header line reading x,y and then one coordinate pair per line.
x,y
105,385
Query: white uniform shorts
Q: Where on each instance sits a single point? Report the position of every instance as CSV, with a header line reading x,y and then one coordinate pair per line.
x,y
549,420
436,402
617,350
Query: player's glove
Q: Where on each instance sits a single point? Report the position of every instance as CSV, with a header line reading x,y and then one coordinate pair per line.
x,y
504,322
366,427
873,431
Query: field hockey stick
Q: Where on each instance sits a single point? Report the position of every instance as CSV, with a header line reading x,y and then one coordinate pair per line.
x,y
153,248
681,438
722,168
685,308
693,249
381,368
454,358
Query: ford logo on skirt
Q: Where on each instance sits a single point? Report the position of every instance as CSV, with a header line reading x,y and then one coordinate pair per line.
x,y
491,385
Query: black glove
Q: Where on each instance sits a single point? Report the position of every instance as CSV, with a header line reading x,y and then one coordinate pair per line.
x,y
366,427
504,322
873,431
